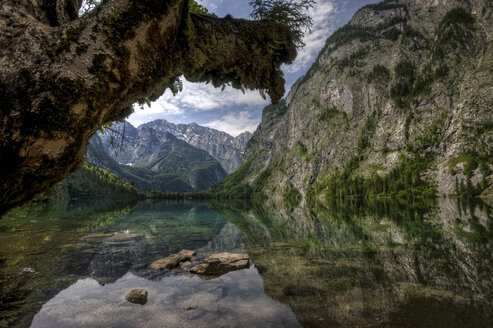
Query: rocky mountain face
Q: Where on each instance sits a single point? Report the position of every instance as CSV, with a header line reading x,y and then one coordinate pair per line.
x,y
399,101
136,142
162,162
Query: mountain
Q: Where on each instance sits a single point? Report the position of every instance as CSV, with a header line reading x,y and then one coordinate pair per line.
x,y
398,103
220,145
162,162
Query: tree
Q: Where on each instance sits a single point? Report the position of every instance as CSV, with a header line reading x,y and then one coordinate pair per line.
x,y
62,76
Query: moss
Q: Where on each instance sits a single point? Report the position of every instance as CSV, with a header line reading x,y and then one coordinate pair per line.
x,y
72,35
80,49
98,66
120,26
52,113
260,47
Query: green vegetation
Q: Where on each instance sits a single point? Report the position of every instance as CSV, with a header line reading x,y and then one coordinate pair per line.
x,y
107,178
455,31
276,110
380,75
471,161
292,197
368,131
409,83
292,14
385,5
403,181
90,182
404,77
178,167
353,60
195,8
234,186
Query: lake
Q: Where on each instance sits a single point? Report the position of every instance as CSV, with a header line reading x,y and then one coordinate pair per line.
x,y
367,264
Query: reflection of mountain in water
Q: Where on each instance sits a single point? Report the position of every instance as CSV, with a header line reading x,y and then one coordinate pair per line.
x,y
229,239
377,264
150,232
352,264
58,244
236,299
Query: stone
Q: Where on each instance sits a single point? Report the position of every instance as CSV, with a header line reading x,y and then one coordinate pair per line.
x,y
221,263
169,262
173,260
186,255
137,296
186,264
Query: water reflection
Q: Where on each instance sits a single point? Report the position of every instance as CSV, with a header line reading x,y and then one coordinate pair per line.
x,y
236,299
376,264
338,265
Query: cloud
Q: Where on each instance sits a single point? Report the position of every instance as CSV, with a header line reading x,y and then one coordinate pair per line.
x,y
234,123
323,17
201,96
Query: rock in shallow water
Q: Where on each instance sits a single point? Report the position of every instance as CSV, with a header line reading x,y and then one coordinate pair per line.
x,y
186,255
173,260
137,296
221,263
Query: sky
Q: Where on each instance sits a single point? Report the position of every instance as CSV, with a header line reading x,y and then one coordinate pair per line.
x,y
230,110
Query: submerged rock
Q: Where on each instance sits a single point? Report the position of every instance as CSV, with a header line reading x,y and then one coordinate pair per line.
x,y
221,263
190,307
137,296
173,260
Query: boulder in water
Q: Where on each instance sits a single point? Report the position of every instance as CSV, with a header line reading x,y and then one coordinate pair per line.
x,y
221,263
137,296
173,260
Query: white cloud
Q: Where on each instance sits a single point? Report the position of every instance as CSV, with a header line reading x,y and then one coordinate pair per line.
x,y
234,123
322,14
201,96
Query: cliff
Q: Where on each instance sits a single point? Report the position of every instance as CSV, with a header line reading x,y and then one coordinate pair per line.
x,y
398,103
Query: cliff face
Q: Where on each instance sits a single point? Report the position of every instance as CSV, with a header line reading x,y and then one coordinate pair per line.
x,y
401,96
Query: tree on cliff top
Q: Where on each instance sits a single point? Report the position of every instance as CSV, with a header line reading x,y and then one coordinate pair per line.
x,y
63,76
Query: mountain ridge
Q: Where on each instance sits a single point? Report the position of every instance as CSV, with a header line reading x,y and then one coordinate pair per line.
x,y
220,145
167,164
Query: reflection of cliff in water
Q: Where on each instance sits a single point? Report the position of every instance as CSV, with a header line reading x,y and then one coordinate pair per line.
x,y
376,264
